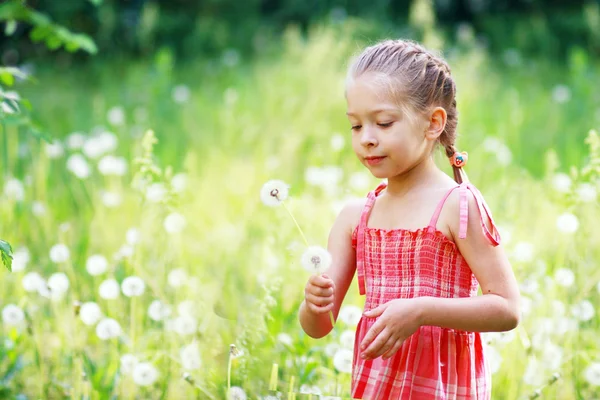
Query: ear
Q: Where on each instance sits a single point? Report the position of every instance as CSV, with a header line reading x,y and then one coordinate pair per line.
x,y
437,123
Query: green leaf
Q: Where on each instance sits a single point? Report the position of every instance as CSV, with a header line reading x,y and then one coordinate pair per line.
x,y
39,33
96,2
6,254
7,78
10,28
53,42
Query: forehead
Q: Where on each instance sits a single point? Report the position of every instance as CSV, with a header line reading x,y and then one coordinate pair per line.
x,y
368,93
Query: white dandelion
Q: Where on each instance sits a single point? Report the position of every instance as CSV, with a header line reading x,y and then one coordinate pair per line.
x,y
177,277
54,150
331,349
158,310
592,374
350,315
561,94
274,192
185,325
108,328
307,389
59,253
237,393
38,208
187,307
174,223
156,192
523,252
337,142
32,281
133,236
494,358
145,374
179,182
90,313
12,315
116,116
285,339
96,264
21,258
347,339
133,286
567,223
58,283
78,165
587,193
316,259
562,182
565,277
75,140
181,94
109,289
128,363
190,357
583,311
110,165
14,189
342,360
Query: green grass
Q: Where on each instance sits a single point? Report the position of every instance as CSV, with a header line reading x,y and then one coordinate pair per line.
x,y
244,125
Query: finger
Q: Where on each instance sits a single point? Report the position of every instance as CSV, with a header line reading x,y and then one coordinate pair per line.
x,y
376,344
322,292
318,300
317,309
371,334
393,350
386,347
320,281
376,312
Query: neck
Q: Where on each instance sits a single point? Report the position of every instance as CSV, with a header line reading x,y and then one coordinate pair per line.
x,y
423,173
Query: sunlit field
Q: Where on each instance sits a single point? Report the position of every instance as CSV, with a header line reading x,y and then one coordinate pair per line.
x,y
143,250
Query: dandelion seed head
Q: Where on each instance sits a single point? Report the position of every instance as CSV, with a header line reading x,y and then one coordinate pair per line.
x,y
12,315
274,192
145,374
133,286
316,259
21,258
342,361
90,313
128,363
190,357
109,289
174,223
108,328
96,264
78,165
567,223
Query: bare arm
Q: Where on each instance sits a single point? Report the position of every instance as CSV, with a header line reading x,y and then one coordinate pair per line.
x,y
498,308
326,293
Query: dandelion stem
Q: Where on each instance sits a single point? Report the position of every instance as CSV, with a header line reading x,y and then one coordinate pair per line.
x,y
132,323
296,222
229,377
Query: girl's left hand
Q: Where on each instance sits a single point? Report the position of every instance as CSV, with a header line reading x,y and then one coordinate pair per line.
x,y
398,319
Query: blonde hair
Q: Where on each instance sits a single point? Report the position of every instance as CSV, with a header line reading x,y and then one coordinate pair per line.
x,y
416,78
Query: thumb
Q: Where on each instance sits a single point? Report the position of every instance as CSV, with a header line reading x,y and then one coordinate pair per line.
x,y
376,312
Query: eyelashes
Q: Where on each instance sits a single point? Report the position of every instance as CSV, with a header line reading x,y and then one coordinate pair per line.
x,y
385,125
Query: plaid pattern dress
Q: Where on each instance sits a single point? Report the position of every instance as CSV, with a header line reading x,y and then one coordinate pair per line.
x,y
433,363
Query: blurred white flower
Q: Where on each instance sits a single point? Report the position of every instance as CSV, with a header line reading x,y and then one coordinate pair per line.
x,y
177,277
54,149
561,94
526,305
512,57
133,286
97,145
174,223
350,314
587,193
347,339
272,162
505,234
564,277
125,251
111,199
12,315
108,328
331,349
132,236
316,259
109,289
111,165
565,325
156,192
503,155
90,313
583,311
274,192
79,166
181,94
561,182
38,208
159,311
128,363
285,339
43,289
558,307
145,374
529,286
592,374
494,358
337,142
360,181
14,189
342,360
58,283
116,116
231,96
75,141
190,357
32,281
534,373
327,177
567,223
59,253
523,252
20,260
179,182
187,307
237,393
231,57
96,264
185,325
307,389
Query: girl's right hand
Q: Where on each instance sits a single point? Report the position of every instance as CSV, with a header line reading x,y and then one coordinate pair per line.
x,y
319,294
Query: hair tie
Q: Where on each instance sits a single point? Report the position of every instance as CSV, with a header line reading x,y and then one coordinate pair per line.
x,y
459,160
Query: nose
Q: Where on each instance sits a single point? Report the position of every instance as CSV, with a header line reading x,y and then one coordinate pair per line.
x,y
368,137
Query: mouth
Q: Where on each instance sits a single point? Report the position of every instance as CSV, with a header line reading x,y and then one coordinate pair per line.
x,y
374,160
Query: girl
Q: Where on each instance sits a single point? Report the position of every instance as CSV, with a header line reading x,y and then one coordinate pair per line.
x,y
421,244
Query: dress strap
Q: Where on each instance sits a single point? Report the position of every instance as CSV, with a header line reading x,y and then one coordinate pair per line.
x,y
360,236
493,236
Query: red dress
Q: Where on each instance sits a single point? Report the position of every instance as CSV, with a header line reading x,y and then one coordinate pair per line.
x,y
433,363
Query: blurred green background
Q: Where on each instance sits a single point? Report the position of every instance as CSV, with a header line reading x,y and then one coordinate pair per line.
x,y
236,94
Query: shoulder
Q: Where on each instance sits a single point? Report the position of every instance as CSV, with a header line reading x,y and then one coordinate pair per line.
x,y
351,212
469,200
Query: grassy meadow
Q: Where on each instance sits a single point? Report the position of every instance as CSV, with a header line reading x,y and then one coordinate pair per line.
x,y
138,262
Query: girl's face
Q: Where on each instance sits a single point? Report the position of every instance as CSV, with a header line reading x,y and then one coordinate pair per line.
x,y
385,139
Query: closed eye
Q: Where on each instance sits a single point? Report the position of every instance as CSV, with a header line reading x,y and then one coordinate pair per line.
x,y
356,127
386,125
